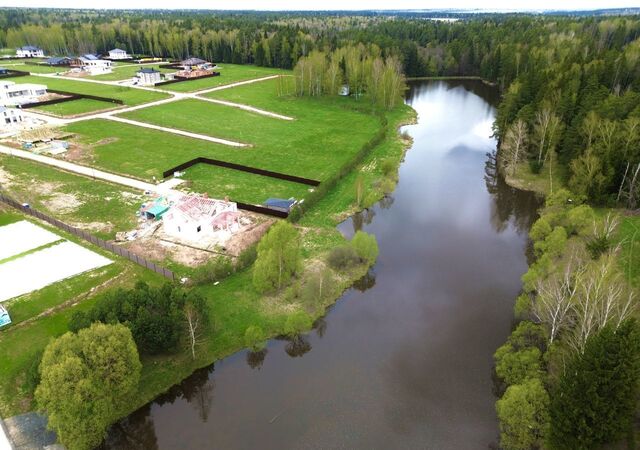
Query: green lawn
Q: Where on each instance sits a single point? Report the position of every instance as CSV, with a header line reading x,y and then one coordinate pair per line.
x,y
72,108
98,207
125,72
245,187
130,96
229,73
315,145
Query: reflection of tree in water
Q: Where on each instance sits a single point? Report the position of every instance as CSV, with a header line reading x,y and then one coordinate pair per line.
x,y
386,202
362,218
510,205
297,346
366,282
197,390
320,325
256,359
136,432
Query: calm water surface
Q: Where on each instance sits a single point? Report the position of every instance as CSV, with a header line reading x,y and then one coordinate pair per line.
x,y
403,360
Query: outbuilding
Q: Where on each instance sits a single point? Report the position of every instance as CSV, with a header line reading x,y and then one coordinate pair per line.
x,y
148,76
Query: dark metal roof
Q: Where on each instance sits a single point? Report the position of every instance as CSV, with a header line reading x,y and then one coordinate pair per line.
x,y
147,70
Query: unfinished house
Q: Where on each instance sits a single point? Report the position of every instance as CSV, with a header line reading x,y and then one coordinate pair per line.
x,y
12,94
195,68
93,65
192,217
29,51
10,117
148,76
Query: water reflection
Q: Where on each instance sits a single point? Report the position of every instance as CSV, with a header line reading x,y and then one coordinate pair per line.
x,y
404,359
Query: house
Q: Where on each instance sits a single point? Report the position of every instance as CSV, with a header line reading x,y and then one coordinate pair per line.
x,y
59,61
19,94
117,53
29,51
148,76
94,65
10,116
192,217
195,63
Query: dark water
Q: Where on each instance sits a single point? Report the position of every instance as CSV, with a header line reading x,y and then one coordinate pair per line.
x,y
403,360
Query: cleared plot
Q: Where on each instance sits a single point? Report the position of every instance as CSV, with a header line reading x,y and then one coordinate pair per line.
x,y
125,72
315,145
229,73
34,68
20,237
130,96
244,187
98,207
81,106
37,270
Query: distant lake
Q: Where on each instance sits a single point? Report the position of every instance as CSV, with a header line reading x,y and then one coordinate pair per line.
x,y
404,359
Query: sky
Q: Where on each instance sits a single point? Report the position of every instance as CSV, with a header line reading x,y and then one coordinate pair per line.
x,y
506,5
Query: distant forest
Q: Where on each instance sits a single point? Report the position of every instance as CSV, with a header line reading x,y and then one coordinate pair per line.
x,y
571,84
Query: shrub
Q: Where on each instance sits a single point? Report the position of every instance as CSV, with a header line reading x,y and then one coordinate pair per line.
x,y
540,229
516,366
388,167
32,379
278,258
523,413
297,323
535,166
247,257
365,246
213,270
254,338
343,257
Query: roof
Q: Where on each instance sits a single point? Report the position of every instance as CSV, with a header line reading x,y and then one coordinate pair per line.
x,y
57,60
157,209
3,69
151,70
198,208
280,203
117,50
90,57
193,62
30,48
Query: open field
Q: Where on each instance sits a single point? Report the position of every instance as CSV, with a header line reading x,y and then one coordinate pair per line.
x,y
74,107
130,96
229,73
127,71
315,145
97,207
31,67
49,265
219,182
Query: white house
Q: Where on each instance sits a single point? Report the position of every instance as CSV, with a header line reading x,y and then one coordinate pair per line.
x,y
148,76
18,94
192,217
117,53
29,51
9,117
94,65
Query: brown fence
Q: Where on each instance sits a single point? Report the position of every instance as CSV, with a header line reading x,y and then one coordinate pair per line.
x,y
70,96
179,79
14,73
243,168
123,252
263,210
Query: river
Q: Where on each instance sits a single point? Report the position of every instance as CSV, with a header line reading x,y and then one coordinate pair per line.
x,y
404,359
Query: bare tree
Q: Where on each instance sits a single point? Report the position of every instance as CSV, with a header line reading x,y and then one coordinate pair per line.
x,y
554,302
195,318
514,147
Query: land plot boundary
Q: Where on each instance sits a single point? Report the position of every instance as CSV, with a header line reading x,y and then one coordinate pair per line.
x,y
70,96
123,252
240,167
179,79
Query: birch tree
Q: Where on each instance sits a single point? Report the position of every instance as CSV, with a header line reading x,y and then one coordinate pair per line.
x,y
514,147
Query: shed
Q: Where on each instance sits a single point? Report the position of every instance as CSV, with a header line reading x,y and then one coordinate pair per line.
x,y
156,211
4,316
280,204
4,71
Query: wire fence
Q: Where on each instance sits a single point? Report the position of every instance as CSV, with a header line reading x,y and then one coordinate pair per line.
x,y
116,249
